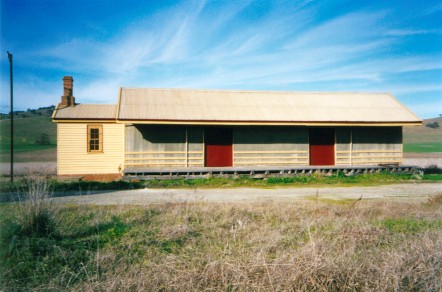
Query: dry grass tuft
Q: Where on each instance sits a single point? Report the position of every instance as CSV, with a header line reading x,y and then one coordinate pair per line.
x,y
35,213
436,199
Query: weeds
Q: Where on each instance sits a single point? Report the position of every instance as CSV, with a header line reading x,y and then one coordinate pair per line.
x,y
308,245
67,186
28,231
410,225
35,214
436,199
60,187
298,180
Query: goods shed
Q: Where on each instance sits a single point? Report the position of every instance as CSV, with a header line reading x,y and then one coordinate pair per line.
x,y
181,128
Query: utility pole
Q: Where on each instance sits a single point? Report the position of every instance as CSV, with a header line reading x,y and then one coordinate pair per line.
x,y
12,115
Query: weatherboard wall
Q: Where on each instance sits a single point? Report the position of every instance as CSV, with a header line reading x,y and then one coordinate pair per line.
x,y
263,146
162,146
368,145
376,145
73,157
155,146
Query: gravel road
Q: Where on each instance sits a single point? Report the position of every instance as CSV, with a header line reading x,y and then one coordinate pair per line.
x,y
408,191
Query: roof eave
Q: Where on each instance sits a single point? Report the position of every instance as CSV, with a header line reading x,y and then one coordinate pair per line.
x,y
271,123
84,120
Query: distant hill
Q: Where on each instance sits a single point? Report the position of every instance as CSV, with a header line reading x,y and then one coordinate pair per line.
x,y
33,130
30,113
424,138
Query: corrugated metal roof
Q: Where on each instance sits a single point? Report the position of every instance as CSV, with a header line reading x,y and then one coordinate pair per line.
x,y
139,104
86,112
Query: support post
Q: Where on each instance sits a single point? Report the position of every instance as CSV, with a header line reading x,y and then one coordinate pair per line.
x,y
187,149
351,146
11,115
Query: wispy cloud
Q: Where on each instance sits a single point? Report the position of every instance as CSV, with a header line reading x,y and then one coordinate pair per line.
x,y
433,9
408,32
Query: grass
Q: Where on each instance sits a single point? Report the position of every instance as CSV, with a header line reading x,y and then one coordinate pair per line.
x,y
311,181
423,147
26,132
48,154
423,139
68,186
306,245
295,181
410,225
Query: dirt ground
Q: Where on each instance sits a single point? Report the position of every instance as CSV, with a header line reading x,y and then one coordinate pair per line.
x,y
48,155
430,155
409,191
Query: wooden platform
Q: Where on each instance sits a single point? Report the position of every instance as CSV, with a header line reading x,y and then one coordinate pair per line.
x,y
258,172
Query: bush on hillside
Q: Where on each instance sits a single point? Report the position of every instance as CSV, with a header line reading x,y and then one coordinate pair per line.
x,y
44,139
433,125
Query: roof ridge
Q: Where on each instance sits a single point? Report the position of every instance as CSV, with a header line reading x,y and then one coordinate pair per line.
x,y
94,104
252,91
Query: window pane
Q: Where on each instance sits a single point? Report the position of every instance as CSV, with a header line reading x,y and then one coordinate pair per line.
x,y
94,144
94,133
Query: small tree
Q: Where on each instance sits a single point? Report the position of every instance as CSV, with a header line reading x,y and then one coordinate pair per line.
x,y
44,139
433,125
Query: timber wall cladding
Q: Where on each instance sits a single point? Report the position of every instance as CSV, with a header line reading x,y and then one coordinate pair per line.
x,y
261,146
156,146
164,146
73,157
368,145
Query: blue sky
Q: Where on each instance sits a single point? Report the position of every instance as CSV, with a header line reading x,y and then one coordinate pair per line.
x,y
363,46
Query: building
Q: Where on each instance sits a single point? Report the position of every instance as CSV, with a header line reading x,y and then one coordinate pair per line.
x,y
177,128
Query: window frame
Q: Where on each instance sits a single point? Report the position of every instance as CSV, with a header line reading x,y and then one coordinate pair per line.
x,y
99,139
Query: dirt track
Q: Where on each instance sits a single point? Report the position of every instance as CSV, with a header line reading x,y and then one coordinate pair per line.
x,y
411,191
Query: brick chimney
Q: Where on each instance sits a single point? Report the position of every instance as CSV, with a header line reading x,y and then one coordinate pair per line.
x,y
67,99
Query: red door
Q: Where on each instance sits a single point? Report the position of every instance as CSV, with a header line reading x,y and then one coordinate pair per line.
x,y
322,146
218,147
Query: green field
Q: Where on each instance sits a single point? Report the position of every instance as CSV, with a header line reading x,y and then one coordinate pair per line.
x,y
28,135
423,139
424,147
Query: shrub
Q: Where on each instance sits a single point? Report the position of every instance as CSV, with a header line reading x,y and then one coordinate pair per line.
x,y
433,125
432,169
44,139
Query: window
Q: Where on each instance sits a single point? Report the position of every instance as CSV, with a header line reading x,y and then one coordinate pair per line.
x,y
95,138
